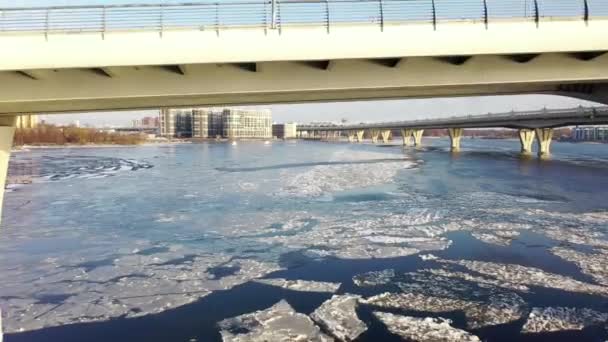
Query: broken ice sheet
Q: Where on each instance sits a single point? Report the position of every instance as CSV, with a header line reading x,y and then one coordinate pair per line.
x,y
424,329
496,237
339,317
374,278
499,309
279,323
528,276
562,318
592,264
130,285
301,285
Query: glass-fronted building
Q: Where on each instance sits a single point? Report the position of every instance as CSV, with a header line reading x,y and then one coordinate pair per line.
x,y
231,123
590,133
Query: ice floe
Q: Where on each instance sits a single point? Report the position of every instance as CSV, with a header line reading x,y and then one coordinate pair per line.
x,y
301,285
136,284
374,278
338,316
528,276
592,264
551,319
424,329
496,237
279,323
498,309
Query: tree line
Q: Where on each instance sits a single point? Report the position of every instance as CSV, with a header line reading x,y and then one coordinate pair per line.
x,y
46,134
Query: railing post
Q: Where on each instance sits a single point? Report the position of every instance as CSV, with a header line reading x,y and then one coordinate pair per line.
x,y
327,14
217,18
273,9
46,24
381,15
586,14
434,15
103,23
536,14
485,13
160,21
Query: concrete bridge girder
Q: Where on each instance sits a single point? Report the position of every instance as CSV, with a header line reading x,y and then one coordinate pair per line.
x,y
286,82
455,135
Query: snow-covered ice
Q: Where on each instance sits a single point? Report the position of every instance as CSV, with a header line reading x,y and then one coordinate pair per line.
x,y
301,285
424,329
280,323
551,319
374,278
339,317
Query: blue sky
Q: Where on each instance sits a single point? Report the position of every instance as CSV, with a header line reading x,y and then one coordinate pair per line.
x,y
353,111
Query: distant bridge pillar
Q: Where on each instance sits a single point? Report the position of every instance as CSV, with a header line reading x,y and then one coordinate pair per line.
x,y
386,135
526,138
406,134
417,133
455,135
351,136
7,132
360,134
543,138
374,133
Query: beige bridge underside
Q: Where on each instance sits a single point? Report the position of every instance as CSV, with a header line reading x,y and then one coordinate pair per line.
x,y
134,70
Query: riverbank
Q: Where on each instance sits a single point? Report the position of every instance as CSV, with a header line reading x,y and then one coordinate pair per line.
x,y
24,148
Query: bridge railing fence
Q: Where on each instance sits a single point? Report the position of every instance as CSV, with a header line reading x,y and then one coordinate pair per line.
x,y
281,14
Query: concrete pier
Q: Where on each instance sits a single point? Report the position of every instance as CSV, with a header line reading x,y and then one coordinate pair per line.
x,y
374,134
543,138
351,136
417,133
386,135
406,134
526,138
360,134
7,132
455,135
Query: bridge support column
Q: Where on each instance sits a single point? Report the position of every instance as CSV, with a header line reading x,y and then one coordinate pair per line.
x,y
386,134
360,134
7,132
543,138
374,133
351,136
417,133
406,134
526,138
455,135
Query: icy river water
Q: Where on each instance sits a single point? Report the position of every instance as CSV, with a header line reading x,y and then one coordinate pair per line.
x,y
306,241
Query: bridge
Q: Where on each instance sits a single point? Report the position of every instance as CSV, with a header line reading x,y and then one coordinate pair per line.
x,y
530,124
88,58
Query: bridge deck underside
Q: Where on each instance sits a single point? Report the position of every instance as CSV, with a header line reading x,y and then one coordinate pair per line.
x,y
115,88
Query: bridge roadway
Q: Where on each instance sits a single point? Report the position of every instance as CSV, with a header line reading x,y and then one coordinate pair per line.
x,y
530,124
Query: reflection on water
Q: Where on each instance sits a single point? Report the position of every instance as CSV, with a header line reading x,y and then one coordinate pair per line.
x,y
206,242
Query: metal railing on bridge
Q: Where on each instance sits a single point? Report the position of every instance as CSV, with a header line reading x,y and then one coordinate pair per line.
x,y
271,14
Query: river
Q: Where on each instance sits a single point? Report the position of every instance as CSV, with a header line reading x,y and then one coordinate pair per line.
x,y
199,242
